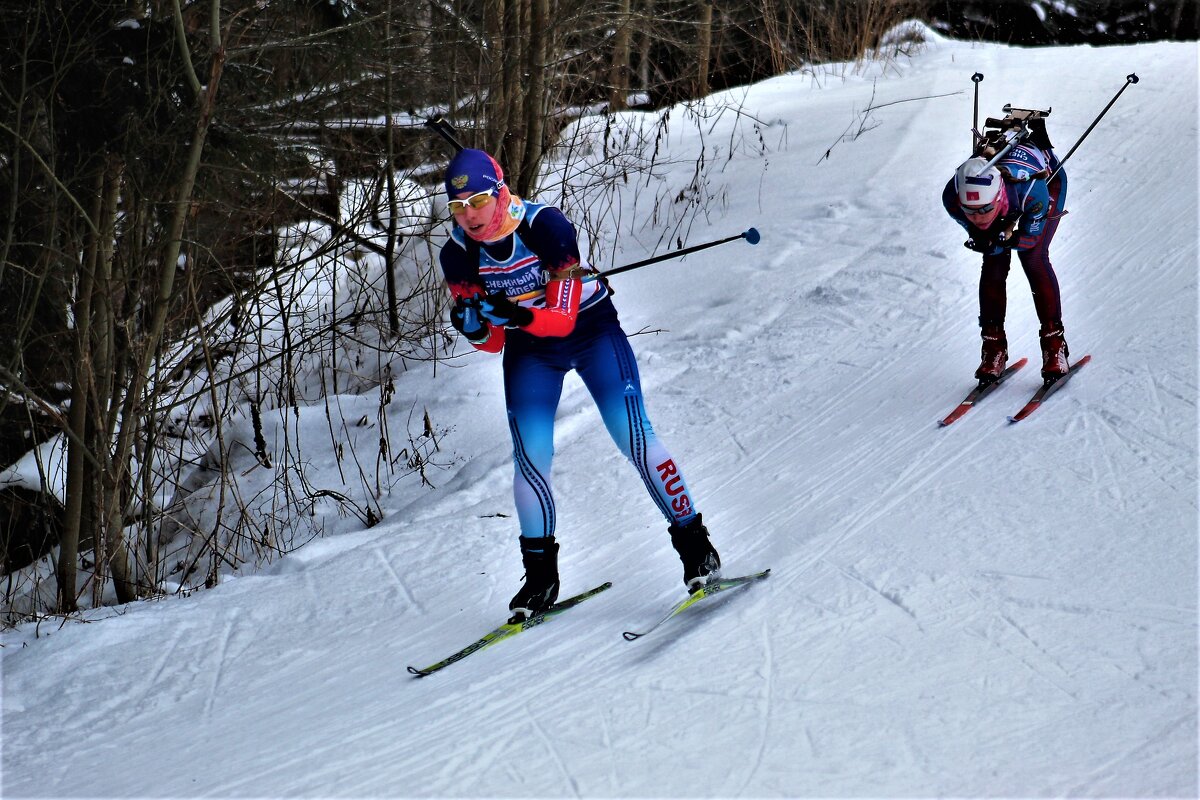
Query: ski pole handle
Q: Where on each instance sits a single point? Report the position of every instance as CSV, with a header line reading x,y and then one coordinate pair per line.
x,y
1129,79
750,235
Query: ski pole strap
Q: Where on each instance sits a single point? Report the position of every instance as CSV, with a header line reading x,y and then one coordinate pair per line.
x,y
474,251
573,273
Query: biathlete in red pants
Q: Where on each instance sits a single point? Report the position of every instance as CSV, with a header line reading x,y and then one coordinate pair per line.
x,y
1007,207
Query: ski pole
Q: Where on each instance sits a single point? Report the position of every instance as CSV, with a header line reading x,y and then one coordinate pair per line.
x,y
1130,78
977,78
442,128
750,235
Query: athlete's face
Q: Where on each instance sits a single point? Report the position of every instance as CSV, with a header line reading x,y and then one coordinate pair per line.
x,y
475,211
982,217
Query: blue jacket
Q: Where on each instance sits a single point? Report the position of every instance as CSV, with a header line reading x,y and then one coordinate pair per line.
x,y
1025,169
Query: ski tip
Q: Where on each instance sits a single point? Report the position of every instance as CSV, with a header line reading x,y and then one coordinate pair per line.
x,y
1023,413
1019,364
420,673
630,635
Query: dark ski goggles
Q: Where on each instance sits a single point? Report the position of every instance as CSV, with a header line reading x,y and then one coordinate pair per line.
x,y
979,211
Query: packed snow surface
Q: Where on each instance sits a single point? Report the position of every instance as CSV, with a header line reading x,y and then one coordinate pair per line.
x,y
989,609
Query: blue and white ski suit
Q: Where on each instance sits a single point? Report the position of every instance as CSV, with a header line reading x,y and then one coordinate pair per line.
x,y
575,327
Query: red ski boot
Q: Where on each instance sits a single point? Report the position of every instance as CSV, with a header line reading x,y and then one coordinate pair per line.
x,y
1054,352
993,354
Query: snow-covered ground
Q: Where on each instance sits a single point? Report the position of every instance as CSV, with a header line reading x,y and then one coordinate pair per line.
x,y
982,610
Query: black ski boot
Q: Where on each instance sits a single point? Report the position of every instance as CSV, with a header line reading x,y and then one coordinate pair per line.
x,y
699,557
541,578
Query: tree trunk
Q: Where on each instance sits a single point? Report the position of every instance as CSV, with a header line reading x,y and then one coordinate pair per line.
x,y
492,64
112,553
618,76
516,39
77,420
645,42
535,93
505,137
390,182
703,47
774,39
152,341
101,399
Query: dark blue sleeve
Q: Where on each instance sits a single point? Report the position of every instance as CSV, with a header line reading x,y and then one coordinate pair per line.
x,y
950,202
1059,189
462,280
552,237
1035,210
1035,206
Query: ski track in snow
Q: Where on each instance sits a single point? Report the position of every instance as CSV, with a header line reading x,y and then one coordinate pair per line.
x,y
767,674
982,610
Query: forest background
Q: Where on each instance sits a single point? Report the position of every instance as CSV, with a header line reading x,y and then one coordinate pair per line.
x,y
170,168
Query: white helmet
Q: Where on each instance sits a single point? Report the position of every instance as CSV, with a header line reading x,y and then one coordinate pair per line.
x,y
977,184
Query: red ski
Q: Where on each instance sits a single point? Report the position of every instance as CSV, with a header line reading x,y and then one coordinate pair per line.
x,y
981,391
1048,389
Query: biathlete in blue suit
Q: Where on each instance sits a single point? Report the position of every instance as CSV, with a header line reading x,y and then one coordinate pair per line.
x,y
1009,207
520,287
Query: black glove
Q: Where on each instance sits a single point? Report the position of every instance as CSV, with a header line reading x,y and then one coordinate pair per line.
x,y
987,245
1006,241
465,319
499,310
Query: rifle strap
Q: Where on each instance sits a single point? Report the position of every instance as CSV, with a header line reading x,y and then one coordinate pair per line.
x,y
474,252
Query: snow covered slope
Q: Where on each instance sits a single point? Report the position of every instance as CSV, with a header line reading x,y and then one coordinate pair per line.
x,y
986,609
